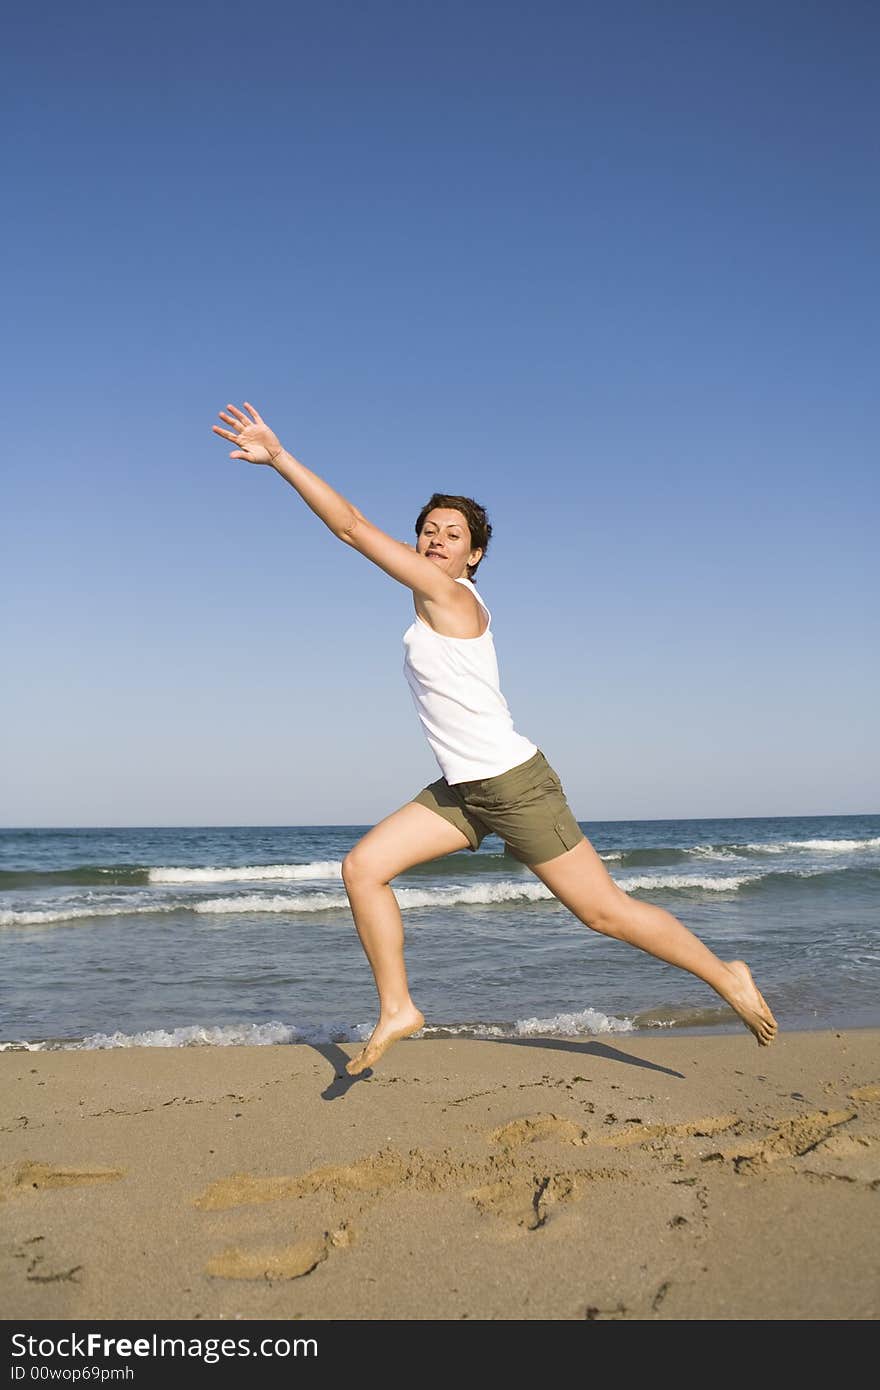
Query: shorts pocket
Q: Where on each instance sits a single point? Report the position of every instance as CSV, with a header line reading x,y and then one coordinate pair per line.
x,y
497,798
478,802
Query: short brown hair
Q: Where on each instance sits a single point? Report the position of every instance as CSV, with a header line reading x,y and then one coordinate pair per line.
x,y
475,516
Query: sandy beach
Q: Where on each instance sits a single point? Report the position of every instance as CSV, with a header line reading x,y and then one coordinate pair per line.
x,y
687,1176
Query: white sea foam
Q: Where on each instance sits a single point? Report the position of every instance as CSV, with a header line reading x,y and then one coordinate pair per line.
x,y
476,894
249,873
712,883
709,852
572,1025
469,1030
232,1035
200,1035
564,1025
838,846
829,846
505,890
12,918
586,1022
254,902
472,894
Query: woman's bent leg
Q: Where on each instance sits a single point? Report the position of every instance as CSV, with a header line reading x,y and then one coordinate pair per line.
x,y
581,882
407,837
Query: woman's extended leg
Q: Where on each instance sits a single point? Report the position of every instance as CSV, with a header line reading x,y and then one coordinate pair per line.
x,y
581,882
407,837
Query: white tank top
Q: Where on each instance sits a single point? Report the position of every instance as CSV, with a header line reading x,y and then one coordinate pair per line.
x,y
455,688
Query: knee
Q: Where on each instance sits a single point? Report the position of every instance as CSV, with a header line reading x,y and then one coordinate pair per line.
x,y
356,868
609,915
350,867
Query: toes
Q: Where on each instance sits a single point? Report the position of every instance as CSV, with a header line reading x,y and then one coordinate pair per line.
x,y
361,1062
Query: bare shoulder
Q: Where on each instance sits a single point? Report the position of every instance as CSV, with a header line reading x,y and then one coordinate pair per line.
x,y
458,615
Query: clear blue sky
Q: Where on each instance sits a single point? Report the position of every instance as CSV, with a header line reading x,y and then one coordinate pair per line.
x,y
609,268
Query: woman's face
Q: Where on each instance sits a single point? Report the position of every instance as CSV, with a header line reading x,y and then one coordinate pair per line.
x,y
446,540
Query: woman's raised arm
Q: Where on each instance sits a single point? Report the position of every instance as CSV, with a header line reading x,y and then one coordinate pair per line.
x,y
256,443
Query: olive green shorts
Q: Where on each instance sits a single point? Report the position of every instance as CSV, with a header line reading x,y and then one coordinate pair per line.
x,y
526,806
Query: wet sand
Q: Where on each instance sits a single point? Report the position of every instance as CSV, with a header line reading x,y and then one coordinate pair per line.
x,y
672,1176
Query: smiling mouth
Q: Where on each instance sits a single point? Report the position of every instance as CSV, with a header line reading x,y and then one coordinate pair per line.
x,y
437,552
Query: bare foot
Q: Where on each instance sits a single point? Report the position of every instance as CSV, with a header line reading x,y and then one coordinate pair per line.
x,y
387,1031
748,1001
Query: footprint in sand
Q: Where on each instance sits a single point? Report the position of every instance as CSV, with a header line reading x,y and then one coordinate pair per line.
x,y
367,1178
791,1139
283,1262
520,1195
525,1199
531,1128
687,1129
370,1175
27,1175
865,1093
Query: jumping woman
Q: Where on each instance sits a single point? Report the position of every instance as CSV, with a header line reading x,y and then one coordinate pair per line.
x,y
494,779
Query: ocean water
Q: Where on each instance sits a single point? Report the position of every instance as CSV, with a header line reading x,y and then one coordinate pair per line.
x,y
170,937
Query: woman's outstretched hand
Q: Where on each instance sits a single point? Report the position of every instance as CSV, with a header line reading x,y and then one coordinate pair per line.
x,y
256,442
